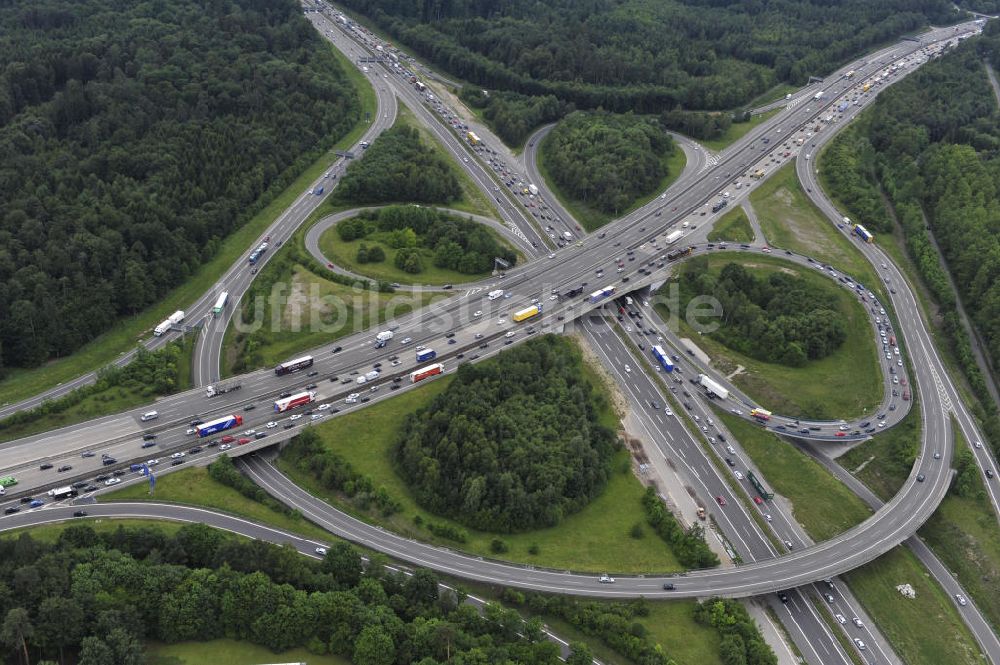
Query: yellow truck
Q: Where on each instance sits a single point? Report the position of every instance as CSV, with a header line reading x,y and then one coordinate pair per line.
x,y
526,313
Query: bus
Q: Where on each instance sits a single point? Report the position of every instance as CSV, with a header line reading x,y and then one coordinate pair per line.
x,y
293,365
759,487
662,357
863,233
760,414
220,304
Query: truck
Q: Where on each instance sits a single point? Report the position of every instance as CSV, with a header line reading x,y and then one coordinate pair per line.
x,y
674,236
218,425
62,492
420,86
220,303
662,358
372,375
212,391
866,87
760,414
424,355
567,235
172,320
818,96
293,365
426,372
679,253
299,399
533,190
863,233
713,387
720,205
473,138
601,294
8,481
526,313
758,174
493,295
382,338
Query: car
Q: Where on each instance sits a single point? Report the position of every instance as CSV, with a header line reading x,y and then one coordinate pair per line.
x,y
225,446
295,416
229,438
148,444
177,462
152,462
406,340
606,579
90,488
857,622
179,453
789,545
112,481
148,437
195,450
937,454
87,453
191,430
721,500
243,441
668,586
64,468
978,444
336,349
320,551
860,644
960,599
271,425
628,368
36,503
79,485
783,596
829,597
80,513
11,510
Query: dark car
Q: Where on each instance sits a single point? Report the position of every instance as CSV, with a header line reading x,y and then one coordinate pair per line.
x,y
668,586
13,509
260,435
289,426
312,373
108,461
45,467
196,449
148,437
80,513
64,468
337,349
365,399
119,472
177,462
90,488
249,407
148,444
730,462
394,386
484,345
284,395
101,478
450,335
88,453
196,422
80,484
211,444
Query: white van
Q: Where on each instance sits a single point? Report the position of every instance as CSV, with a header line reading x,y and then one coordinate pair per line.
x,y
362,379
149,415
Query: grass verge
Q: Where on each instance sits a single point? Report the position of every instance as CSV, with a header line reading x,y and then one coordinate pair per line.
x,y
883,462
22,383
229,652
789,220
593,539
907,623
822,505
315,311
737,131
846,383
193,486
732,227
772,95
591,218
49,533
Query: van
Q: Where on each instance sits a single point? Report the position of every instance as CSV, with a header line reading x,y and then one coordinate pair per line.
x,y
362,379
149,415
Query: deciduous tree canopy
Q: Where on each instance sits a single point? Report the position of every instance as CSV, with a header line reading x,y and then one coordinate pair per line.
x,y
513,443
135,136
777,318
398,167
606,160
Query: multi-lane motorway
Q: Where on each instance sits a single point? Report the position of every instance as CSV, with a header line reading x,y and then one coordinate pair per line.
x,y
573,266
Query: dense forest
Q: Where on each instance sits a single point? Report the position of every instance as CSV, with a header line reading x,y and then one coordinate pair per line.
x,y
926,157
513,443
425,233
92,598
135,136
776,318
645,55
398,167
512,115
605,160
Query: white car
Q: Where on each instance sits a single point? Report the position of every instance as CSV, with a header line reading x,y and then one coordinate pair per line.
x,y
961,599
731,450
112,481
477,313
152,462
628,368
606,579
406,340
323,407
739,476
534,301
321,551
860,644
178,455
509,334
500,322
295,417
552,256
272,425
190,430
553,297
225,446
841,618
857,622
316,416
668,412
249,432
420,347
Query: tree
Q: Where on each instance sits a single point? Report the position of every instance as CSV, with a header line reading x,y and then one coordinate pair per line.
x,y
59,624
374,647
16,630
579,654
344,563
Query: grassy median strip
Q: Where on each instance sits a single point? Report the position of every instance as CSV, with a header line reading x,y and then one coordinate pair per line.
x,y
738,130
194,487
732,227
49,533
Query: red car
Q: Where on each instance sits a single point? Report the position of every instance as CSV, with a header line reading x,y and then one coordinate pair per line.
x,y
243,440
758,500
227,439
840,434
721,500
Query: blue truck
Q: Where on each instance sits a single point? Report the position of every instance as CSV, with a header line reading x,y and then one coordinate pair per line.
x,y
426,354
662,358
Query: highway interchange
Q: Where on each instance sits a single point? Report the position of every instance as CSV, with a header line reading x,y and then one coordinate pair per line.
x,y
573,265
